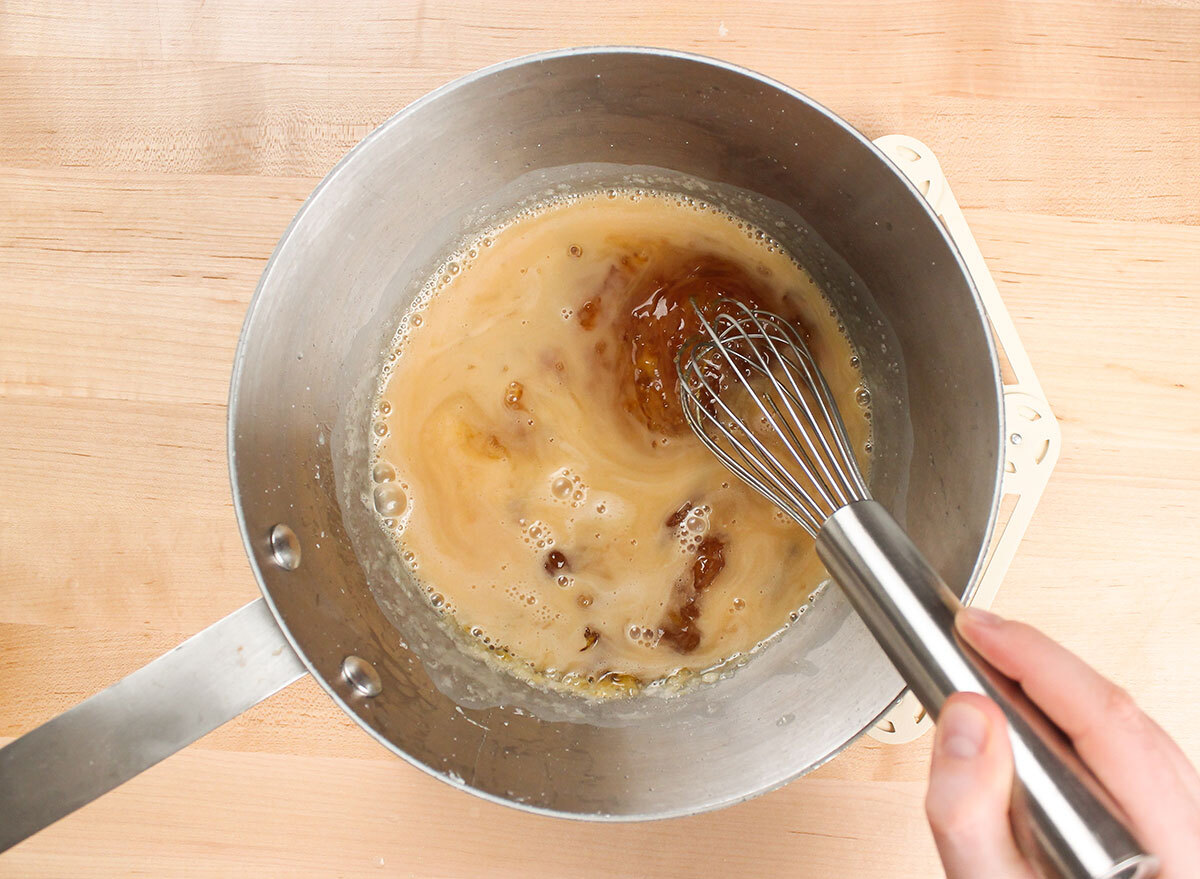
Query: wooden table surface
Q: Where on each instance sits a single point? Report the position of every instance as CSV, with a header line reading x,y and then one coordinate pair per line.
x,y
152,153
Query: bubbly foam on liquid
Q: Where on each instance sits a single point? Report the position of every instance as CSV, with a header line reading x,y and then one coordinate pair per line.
x,y
532,463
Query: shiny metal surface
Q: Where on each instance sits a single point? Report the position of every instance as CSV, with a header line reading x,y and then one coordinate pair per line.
x,y
106,740
362,676
320,325
285,547
1062,815
358,251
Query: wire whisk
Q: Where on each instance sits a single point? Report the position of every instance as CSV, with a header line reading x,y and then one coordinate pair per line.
x,y
754,395
798,455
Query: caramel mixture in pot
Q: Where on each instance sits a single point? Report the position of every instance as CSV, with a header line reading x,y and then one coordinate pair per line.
x,y
533,464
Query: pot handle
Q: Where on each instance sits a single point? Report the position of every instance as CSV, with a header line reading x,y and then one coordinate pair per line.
x,y
104,741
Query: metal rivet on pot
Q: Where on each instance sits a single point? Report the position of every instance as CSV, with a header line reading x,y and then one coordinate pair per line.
x,y
285,547
361,675
1015,439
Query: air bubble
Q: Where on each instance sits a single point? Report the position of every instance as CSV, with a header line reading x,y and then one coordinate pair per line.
x,y
390,499
739,604
513,394
568,487
381,429
437,599
383,472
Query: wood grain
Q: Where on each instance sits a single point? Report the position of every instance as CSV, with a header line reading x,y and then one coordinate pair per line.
x,y
151,155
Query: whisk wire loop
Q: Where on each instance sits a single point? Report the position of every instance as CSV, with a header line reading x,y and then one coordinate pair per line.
x,y
803,460
786,335
759,363
764,473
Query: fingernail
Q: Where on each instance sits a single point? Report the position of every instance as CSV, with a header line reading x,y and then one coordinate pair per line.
x,y
976,616
964,730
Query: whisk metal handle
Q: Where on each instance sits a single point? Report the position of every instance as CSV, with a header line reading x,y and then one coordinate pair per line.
x,y
1063,818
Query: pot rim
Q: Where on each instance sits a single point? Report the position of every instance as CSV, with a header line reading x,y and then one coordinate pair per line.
x,y
251,541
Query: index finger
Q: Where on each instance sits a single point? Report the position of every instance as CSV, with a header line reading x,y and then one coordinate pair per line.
x,y
1141,765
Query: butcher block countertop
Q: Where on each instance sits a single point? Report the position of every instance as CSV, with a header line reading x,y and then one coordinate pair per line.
x,y
152,153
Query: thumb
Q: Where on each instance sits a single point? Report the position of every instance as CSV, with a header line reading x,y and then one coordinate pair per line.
x,y
970,786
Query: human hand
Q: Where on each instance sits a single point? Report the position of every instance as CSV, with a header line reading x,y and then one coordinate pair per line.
x,y
970,779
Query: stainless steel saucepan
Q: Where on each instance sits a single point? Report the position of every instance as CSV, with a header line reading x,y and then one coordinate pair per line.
x,y
335,603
